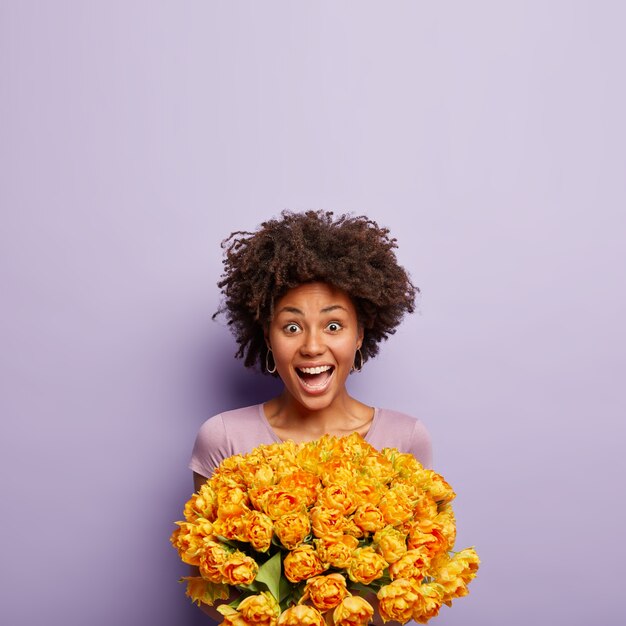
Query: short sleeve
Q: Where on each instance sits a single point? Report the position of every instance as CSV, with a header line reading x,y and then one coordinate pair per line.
x,y
420,445
211,447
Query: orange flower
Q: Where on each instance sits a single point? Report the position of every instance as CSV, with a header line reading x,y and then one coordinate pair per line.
x,y
302,563
259,495
231,616
412,564
325,592
431,597
256,473
366,566
292,529
231,521
231,494
367,490
428,537
259,530
396,601
376,466
301,615
306,485
336,496
188,540
353,611
369,518
327,522
439,489
212,557
468,561
280,502
239,569
338,470
262,609
425,507
201,504
390,544
396,507
204,592
446,521
336,551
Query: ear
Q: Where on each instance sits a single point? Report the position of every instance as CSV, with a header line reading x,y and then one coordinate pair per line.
x,y
266,336
359,337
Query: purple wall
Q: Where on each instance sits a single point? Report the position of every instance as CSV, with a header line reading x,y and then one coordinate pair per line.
x,y
489,136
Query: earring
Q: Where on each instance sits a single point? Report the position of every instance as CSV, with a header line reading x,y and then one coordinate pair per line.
x,y
267,362
354,366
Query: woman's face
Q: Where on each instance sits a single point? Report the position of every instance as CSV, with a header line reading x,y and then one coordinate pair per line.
x,y
314,336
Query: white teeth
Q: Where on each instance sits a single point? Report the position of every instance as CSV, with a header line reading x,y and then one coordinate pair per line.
x,y
315,370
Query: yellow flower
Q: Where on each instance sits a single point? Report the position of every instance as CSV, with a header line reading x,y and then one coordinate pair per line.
x,y
430,600
239,569
412,564
204,592
390,544
325,592
301,615
292,529
327,522
369,518
262,609
336,551
397,600
366,566
212,557
302,563
336,496
353,611
259,529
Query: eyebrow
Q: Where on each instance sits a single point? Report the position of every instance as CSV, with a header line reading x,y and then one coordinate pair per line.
x,y
297,311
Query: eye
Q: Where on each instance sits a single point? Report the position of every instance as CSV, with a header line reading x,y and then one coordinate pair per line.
x,y
334,327
291,329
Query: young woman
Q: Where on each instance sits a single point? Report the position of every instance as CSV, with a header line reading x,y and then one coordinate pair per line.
x,y
309,296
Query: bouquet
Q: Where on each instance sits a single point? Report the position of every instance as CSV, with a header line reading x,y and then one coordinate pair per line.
x,y
313,533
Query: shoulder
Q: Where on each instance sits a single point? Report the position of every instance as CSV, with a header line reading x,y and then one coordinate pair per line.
x,y
394,429
223,435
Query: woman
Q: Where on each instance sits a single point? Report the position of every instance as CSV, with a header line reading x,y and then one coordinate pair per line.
x,y
309,297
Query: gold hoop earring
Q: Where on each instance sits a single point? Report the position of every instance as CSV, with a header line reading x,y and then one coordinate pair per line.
x,y
354,366
267,362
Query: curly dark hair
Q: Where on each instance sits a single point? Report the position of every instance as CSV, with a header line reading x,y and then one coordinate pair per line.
x,y
350,253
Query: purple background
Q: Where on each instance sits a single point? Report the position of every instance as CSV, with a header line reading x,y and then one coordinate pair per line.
x,y
489,136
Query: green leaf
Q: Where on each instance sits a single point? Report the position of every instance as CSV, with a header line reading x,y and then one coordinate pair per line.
x,y
270,575
284,588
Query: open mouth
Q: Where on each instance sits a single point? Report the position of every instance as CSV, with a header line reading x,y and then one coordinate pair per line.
x,y
315,378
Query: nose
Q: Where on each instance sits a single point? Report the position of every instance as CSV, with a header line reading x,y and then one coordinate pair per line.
x,y
313,343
